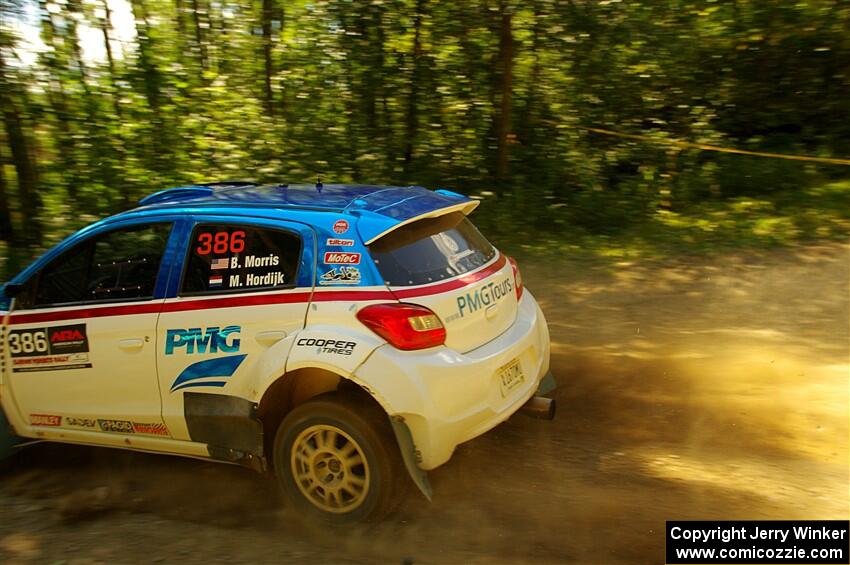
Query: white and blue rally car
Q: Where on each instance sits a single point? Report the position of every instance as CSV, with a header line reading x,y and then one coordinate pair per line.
x,y
342,337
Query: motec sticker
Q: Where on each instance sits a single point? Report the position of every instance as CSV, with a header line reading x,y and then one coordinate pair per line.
x,y
197,340
51,348
341,275
341,258
340,226
339,242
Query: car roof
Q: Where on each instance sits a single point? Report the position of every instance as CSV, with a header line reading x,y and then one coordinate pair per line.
x,y
379,209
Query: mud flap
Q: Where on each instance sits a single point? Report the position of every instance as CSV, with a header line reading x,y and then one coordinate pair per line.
x,y
547,384
408,453
227,424
8,440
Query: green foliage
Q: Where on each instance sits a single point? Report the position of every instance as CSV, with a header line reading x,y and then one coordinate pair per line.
x,y
411,91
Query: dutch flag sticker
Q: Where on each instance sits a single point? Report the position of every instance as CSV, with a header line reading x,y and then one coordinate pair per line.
x,y
216,281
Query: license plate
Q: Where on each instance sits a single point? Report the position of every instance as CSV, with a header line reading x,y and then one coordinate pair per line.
x,y
510,377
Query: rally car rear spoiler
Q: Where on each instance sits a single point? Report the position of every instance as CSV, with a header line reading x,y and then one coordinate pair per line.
x,y
378,225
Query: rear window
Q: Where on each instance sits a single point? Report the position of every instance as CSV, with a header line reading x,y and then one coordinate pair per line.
x,y
430,250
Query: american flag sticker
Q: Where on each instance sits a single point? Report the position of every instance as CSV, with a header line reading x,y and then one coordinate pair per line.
x,y
216,281
218,264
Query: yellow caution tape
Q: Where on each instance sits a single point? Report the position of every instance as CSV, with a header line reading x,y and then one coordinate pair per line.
x,y
705,147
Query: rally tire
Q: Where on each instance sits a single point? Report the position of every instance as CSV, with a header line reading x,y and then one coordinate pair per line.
x,y
336,458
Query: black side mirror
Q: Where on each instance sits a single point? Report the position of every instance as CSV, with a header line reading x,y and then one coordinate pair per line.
x,y
12,290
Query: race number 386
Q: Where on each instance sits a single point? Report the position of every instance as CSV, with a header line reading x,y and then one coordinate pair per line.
x,y
27,342
52,340
221,242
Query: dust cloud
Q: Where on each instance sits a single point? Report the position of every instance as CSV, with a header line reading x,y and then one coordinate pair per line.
x,y
696,389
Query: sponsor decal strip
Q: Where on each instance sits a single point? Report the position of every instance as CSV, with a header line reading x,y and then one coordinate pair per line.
x,y
262,299
45,420
120,426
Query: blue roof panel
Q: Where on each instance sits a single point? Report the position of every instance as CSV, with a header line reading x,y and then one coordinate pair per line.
x,y
379,208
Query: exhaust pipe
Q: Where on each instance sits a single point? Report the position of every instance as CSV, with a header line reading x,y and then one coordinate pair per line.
x,y
539,407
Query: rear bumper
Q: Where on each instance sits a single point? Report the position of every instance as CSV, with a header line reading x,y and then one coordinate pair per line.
x,y
446,398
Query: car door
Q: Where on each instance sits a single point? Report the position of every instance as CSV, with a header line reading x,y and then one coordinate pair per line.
x,y
244,288
81,335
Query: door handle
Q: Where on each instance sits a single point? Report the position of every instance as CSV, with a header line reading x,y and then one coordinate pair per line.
x,y
270,337
133,344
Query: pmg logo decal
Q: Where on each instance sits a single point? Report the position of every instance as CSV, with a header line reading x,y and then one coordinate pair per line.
x,y
196,340
483,296
208,372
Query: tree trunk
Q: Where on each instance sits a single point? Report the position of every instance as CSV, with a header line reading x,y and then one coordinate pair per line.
x,y
75,9
105,25
7,230
158,149
181,21
412,121
268,66
531,112
505,70
57,64
281,11
199,37
21,157
117,140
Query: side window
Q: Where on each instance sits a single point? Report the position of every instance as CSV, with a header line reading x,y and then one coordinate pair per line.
x,y
118,265
228,258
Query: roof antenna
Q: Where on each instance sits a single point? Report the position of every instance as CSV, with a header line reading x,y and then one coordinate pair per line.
x,y
319,183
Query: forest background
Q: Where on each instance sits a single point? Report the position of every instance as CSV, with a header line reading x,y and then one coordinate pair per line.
x,y
105,101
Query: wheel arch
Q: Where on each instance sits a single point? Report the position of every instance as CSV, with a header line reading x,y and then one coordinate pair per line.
x,y
296,387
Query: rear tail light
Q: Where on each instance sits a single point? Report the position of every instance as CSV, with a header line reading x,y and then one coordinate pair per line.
x,y
404,326
517,277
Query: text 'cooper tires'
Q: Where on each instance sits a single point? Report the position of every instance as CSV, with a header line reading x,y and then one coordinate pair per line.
x,y
336,458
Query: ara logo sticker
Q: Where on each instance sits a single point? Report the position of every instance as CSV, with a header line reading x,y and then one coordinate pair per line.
x,y
35,342
72,335
341,275
208,372
340,258
195,340
49,349
340,226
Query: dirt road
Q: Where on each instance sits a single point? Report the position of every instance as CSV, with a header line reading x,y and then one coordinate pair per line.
x,y
702,389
